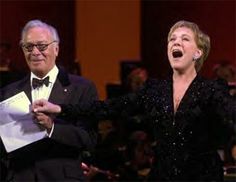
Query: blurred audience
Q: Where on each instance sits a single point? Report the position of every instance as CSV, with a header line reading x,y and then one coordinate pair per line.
x,y
8,72
108,156
230,153
139,158
226,71
230,161
4,56
136,78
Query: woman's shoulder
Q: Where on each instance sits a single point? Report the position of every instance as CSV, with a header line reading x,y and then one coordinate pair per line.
x,y
213,83
217,87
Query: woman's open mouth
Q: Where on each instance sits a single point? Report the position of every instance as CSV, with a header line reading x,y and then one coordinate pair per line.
x,y
177,53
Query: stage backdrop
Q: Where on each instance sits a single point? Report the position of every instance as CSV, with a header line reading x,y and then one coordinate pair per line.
x,y
59,13
215,17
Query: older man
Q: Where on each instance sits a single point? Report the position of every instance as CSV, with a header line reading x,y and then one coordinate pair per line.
x,y
57,157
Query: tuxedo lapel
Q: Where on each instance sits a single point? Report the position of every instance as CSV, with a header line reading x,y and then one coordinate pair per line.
x,y
27,90
61,89
59,93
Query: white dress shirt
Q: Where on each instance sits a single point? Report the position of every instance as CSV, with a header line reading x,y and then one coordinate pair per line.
x,y
44,91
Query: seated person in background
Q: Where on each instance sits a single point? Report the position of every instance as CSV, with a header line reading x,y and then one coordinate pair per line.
x,y
139,157
230,153
226,71
108,153
4,57
230,160
135,79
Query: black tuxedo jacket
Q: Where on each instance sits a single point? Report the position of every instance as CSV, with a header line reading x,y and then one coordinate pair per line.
x,y
57,158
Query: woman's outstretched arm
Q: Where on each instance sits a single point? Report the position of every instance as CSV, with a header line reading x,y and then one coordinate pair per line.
x,y
45,106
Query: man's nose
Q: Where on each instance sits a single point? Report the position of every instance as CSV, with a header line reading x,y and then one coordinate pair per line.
x,y
35,50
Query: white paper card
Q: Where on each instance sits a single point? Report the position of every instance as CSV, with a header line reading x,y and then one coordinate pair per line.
x,y
17,127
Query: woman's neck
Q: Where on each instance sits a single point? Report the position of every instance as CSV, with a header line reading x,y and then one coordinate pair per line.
x,y
187,76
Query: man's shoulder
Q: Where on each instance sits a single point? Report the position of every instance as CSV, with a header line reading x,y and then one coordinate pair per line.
x,y
75,79
13,88
67,78
15,84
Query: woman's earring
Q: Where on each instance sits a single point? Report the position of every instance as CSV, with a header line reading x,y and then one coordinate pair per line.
x,y
195,58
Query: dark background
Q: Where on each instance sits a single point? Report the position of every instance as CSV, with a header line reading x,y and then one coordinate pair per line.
x,y
217,18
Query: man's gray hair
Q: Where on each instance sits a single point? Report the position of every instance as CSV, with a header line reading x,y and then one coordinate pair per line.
x,y
39,23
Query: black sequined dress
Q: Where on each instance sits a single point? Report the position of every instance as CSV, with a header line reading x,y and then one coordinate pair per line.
x,y
187,140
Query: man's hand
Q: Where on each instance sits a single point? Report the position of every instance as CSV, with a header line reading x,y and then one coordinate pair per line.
x,y
44,120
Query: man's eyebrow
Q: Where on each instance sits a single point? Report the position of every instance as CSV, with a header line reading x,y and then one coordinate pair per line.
x,y
38,42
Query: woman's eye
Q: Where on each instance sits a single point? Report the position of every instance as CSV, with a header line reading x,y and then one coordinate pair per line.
x,y
186,39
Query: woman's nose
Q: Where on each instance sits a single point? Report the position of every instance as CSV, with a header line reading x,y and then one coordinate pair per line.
x,y
177,41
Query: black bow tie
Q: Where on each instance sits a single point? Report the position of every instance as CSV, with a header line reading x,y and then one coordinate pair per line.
x,y
38,83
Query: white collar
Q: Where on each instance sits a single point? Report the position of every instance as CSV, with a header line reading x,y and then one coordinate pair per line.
x,y
52,75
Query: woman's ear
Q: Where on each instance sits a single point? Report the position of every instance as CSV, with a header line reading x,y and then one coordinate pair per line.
x,y
197,54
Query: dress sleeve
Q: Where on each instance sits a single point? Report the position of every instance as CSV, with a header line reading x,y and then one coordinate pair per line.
x,y
109,109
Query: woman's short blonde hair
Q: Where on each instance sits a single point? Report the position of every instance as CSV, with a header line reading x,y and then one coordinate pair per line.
x,y
202,40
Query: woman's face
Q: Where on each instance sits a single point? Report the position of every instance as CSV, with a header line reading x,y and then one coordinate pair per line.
x,y
182,48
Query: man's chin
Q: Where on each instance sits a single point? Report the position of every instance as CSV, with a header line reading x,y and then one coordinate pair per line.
x,y
38,72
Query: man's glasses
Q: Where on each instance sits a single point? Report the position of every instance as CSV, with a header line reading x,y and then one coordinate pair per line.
x,y
41,47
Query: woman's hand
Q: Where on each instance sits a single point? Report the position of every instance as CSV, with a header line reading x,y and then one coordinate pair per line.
x,y
44,106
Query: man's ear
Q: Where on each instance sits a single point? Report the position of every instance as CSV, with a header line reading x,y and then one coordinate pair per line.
x,y
57,50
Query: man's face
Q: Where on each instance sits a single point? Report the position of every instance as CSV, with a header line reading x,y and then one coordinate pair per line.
x,y
39,61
